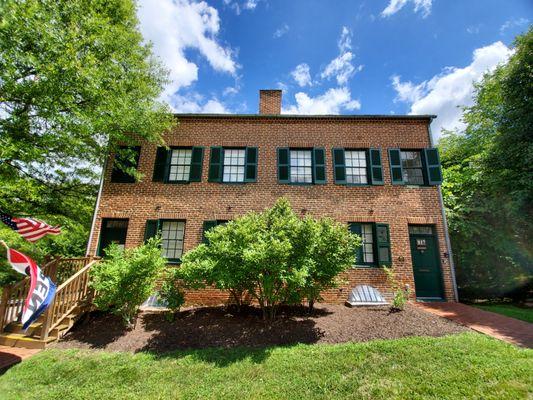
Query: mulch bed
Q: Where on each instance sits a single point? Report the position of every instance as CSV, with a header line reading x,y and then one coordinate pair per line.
x,y
203,327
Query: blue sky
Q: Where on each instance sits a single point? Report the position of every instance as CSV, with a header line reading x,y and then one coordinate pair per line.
x,y
331,57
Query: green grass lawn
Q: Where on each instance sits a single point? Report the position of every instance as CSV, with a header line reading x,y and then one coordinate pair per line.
x,y
509,310
468,365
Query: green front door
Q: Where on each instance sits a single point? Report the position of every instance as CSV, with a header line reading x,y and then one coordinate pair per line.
x,y
426,265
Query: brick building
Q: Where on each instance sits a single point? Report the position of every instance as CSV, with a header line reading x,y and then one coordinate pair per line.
x,y
376,173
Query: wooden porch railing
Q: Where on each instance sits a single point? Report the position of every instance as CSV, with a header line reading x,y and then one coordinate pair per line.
x,y
70,295
62,271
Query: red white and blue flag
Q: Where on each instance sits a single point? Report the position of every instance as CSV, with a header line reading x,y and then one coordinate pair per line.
x,y
42,289
29,228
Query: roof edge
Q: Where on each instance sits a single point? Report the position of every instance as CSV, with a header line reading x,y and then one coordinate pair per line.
x,y
299,116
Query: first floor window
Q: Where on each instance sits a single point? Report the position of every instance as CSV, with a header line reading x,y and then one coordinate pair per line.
x,y
301,170
172,233
412,168
113,231
366,252
180,165
234,161
356,168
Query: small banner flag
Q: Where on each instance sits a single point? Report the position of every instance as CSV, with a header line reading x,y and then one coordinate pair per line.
x,y
42,289
29,228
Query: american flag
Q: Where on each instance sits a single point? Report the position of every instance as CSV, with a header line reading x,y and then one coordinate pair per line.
x,y
29,228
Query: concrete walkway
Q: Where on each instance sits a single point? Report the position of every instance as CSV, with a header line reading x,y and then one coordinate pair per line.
x,y
499,326
10,356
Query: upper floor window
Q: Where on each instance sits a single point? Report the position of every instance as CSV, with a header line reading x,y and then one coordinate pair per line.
x,y
412,167
301,170
301,166
234,162
178,164
233,165
126,157
357,166
415,167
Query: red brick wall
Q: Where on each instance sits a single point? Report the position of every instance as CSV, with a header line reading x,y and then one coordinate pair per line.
x,y
397,206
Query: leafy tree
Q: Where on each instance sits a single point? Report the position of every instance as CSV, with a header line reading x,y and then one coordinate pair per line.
x,y
274,256
76,80
126,278
171,292
488,190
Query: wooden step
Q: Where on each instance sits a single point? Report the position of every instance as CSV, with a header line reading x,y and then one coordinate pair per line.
x,y
16,327
20,340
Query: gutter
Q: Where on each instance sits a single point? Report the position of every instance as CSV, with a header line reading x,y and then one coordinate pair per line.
x,y
446,233
301,116
97,205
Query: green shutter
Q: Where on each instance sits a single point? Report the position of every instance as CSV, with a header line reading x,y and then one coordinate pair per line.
x,y
433,169
395,162
215,164
160,166
383,244
197,159
151,229
119,176
376,169
319,165
251,164
283,165
207,226
339,167
356,229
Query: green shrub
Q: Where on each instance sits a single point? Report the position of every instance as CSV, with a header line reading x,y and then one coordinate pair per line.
x,y
273,256
171,293
126,278
400,291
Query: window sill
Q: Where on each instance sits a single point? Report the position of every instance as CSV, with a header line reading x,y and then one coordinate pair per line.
x,y
373,266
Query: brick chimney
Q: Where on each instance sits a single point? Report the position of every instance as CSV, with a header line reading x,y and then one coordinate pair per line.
x,y
270,102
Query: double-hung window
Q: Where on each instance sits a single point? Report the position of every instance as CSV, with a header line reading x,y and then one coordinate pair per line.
x,y
208,225
413,172
301,170
233,165
301,166
172,236
178,164
374,249
357,166
415,167
113,231
127,157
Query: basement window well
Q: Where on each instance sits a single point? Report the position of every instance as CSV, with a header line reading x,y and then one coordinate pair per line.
x,y
365,295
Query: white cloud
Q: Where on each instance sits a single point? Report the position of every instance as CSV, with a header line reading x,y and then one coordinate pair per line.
x,y
250,4
281,31
301,75
174,26
331,102
238,6
424,6
512,23
445,94
195,103
342,67
473,29
230,90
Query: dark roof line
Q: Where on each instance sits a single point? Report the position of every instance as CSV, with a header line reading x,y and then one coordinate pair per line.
x,y
322,116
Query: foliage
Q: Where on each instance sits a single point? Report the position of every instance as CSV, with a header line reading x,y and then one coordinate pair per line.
x,y
487,189
171,292
126,278
400,290
274,256
465,366
75,80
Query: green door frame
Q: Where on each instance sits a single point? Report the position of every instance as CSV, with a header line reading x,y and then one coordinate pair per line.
x,y
434,236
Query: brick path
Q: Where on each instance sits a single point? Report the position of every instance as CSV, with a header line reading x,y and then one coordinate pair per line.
x,y
13,355
499,326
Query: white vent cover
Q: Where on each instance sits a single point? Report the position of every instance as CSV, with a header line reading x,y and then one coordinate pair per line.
x,y
365,295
